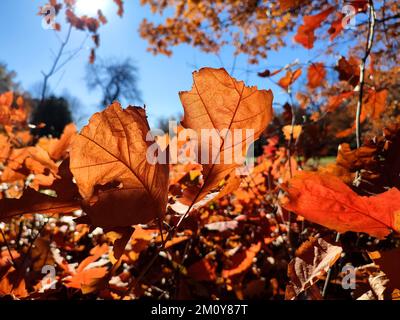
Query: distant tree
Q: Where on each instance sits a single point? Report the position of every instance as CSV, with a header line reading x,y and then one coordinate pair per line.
x,y
163,122
7,82
54,113
116,80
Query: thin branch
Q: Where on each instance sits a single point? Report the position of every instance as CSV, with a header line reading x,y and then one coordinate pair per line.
x,y
48,75
8,246
370,39
289,153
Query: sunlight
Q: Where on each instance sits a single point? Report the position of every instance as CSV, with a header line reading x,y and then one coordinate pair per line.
x,y
90,7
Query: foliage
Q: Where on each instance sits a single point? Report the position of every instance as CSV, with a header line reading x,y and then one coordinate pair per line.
x,y
116,225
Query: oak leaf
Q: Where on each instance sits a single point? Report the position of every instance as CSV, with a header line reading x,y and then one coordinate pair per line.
x,y
326,200
218,101
108,160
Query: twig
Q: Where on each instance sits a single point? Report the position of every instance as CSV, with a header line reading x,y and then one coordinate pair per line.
x,y
370,38
329,273
289,152
8,246
53,69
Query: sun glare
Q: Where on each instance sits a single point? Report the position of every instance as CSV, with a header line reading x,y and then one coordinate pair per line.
x,y
90,7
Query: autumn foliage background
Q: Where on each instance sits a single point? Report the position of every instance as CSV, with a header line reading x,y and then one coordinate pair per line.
x,y
323,194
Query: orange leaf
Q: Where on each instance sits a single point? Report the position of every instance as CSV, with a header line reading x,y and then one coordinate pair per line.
x,y
305,34
108,161
287,132
88,276
335,102
242,261
326,200
289,78
219,102
374,105
58,148
316,75
66,200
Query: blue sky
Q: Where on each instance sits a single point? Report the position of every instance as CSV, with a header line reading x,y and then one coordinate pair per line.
x,y
28,49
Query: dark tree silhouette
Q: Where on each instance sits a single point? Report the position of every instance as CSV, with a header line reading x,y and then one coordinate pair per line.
x,y
7,82
116,80
54,113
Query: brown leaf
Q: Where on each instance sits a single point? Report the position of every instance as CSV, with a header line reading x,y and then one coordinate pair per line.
x,y
218,101
357,159
312,261
349,70
66,199
202,270
119,237
108,160
120,5
242,261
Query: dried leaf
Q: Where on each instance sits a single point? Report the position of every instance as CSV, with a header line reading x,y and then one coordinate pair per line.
x,y
218,101
108,160
312,261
